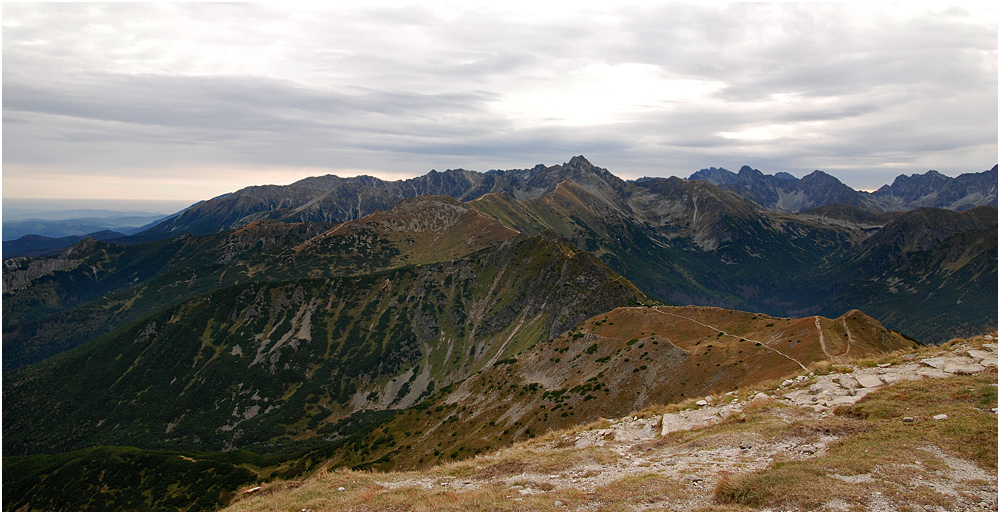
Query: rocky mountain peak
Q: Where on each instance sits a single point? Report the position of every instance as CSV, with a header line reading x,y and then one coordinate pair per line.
x,y
716,176
580,162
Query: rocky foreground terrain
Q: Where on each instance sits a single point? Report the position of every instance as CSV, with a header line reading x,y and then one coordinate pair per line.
x,y
908,432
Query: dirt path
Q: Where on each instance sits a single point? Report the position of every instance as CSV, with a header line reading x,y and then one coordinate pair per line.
x,y
822,340
849,338
738,337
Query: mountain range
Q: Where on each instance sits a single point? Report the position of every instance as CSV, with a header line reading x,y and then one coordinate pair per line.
x,y
390,325
784,193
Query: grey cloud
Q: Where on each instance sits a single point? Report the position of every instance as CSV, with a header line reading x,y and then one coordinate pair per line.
x,y
120,87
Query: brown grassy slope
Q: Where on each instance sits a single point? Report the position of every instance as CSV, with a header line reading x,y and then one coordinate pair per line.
x,y
772,456
612,364
422,230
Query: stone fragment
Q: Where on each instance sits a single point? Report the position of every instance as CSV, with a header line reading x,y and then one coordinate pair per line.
x,y
557,503
787,383
638,430
907,419
979,354
823,385
704,417
933,373
808,449
963,369
672,423
892,378
341,489
848,382
861,393
694,479
868,381
886,365
701,403
936,362
761,396
941,417
843,400
991,347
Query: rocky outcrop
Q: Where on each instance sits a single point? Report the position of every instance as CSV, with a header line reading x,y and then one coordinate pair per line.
x,y
19,272
827,392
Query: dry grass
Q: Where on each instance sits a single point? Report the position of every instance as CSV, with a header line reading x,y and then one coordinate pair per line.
x,y
636,491
876,460
875,442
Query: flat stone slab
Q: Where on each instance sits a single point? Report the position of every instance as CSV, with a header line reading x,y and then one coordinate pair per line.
x,y
687,420
848,382
631,430
861,393
895,378
868,381
980,355
825,385
963,369
983,358
936,362
842,400
801,395
933,373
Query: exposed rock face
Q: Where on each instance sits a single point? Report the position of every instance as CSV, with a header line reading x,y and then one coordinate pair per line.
x,y
783,192
921,229
828,392
932,189
334,199
19,272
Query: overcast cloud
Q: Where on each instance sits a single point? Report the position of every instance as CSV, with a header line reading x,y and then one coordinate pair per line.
x,y
188,101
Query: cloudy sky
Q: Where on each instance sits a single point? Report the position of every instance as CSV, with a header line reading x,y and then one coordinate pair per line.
x,y
188,101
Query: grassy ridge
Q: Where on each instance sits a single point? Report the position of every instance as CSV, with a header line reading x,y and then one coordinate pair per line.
x,y
871,458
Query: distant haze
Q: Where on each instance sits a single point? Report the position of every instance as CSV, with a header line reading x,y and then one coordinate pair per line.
x,y
189,101
61,209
